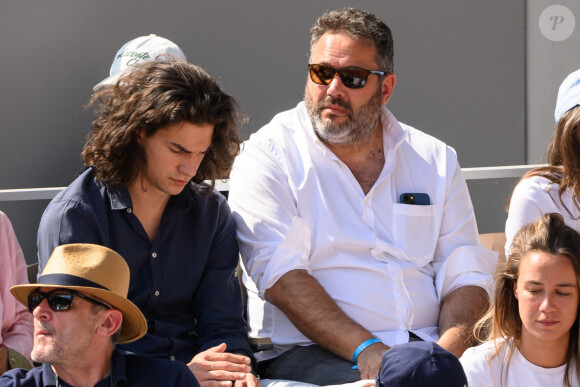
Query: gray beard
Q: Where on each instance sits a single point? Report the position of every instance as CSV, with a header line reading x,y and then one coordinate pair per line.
x,y
357,129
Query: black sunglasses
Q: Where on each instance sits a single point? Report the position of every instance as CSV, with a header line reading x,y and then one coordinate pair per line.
x,y
59,300
353,78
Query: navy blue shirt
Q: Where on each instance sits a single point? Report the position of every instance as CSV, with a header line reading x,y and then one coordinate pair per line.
x,y
184,282
127,370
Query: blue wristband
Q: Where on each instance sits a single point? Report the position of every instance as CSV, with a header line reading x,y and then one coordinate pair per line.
x,y
362,347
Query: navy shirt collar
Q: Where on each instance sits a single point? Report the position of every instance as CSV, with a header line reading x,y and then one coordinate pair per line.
x,y
118,369
48,376
120,199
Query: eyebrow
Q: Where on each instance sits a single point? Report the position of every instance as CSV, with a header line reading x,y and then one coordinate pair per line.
x,y
185,150
181,148
564,285
342,68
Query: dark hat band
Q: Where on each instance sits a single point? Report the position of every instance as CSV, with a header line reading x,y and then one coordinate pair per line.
x,y
68,280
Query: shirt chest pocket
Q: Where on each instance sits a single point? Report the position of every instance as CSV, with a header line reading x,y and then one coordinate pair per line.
x,y
414,232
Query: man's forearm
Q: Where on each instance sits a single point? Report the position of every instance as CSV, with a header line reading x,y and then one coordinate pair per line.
x,y
315,314
459,312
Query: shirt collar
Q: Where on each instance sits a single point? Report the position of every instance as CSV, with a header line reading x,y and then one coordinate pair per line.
x,y
118,370
48,376
120,199
393,136
309,129
393,132
185,199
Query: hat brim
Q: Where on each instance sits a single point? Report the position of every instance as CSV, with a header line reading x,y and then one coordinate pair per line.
x,y
111,80
134,324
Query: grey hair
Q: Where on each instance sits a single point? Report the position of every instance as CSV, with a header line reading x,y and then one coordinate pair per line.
x,y
360,25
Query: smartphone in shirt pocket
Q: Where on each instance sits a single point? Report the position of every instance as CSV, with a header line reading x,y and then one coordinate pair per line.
x,y
415,198
414,228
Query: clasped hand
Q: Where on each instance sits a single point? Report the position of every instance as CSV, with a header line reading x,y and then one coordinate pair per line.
x,y
217,368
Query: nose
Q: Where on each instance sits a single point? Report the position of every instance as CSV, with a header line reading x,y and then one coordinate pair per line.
x,y
547,304
336,88
42,311
190,165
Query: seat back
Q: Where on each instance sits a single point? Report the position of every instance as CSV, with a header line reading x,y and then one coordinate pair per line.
x,y
32,272
495,241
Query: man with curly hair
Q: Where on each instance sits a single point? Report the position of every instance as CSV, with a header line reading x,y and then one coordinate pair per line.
x,y
160,131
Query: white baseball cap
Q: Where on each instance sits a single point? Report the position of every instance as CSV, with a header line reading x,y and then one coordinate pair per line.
x,y
568,95
141,49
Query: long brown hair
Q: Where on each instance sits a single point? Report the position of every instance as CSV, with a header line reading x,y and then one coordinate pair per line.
x,y
154,95
550,235
563,155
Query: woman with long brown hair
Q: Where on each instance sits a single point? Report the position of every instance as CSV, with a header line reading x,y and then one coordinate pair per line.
x,y
555,187
530,333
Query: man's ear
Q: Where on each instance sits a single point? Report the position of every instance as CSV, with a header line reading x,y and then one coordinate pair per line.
x,y
388,84
139,134
111,323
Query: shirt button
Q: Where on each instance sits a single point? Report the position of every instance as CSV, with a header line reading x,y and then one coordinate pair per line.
x,y
154,255
172,357
157,292
129,210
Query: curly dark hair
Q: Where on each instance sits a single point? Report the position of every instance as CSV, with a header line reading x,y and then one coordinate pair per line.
x,y
152,96
361,25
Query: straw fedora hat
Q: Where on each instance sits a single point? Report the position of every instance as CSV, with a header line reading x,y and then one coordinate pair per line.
x,y
92,270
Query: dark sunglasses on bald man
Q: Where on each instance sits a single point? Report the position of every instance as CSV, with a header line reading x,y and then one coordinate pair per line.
x,y
59,300
353,78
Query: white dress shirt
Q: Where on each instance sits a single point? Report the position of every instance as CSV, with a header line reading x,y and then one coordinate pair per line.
x,y
532,198
387,265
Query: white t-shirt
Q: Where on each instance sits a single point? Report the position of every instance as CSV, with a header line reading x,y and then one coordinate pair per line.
x,y
534,197
482,372
387,265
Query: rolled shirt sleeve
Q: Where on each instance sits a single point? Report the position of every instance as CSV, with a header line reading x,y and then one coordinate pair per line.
x,y
460,259
270,230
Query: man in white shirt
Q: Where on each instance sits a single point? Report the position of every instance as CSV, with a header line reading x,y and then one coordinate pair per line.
x,y
357,231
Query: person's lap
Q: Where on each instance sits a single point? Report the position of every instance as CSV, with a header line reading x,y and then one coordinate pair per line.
x,y
290,383
309,364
